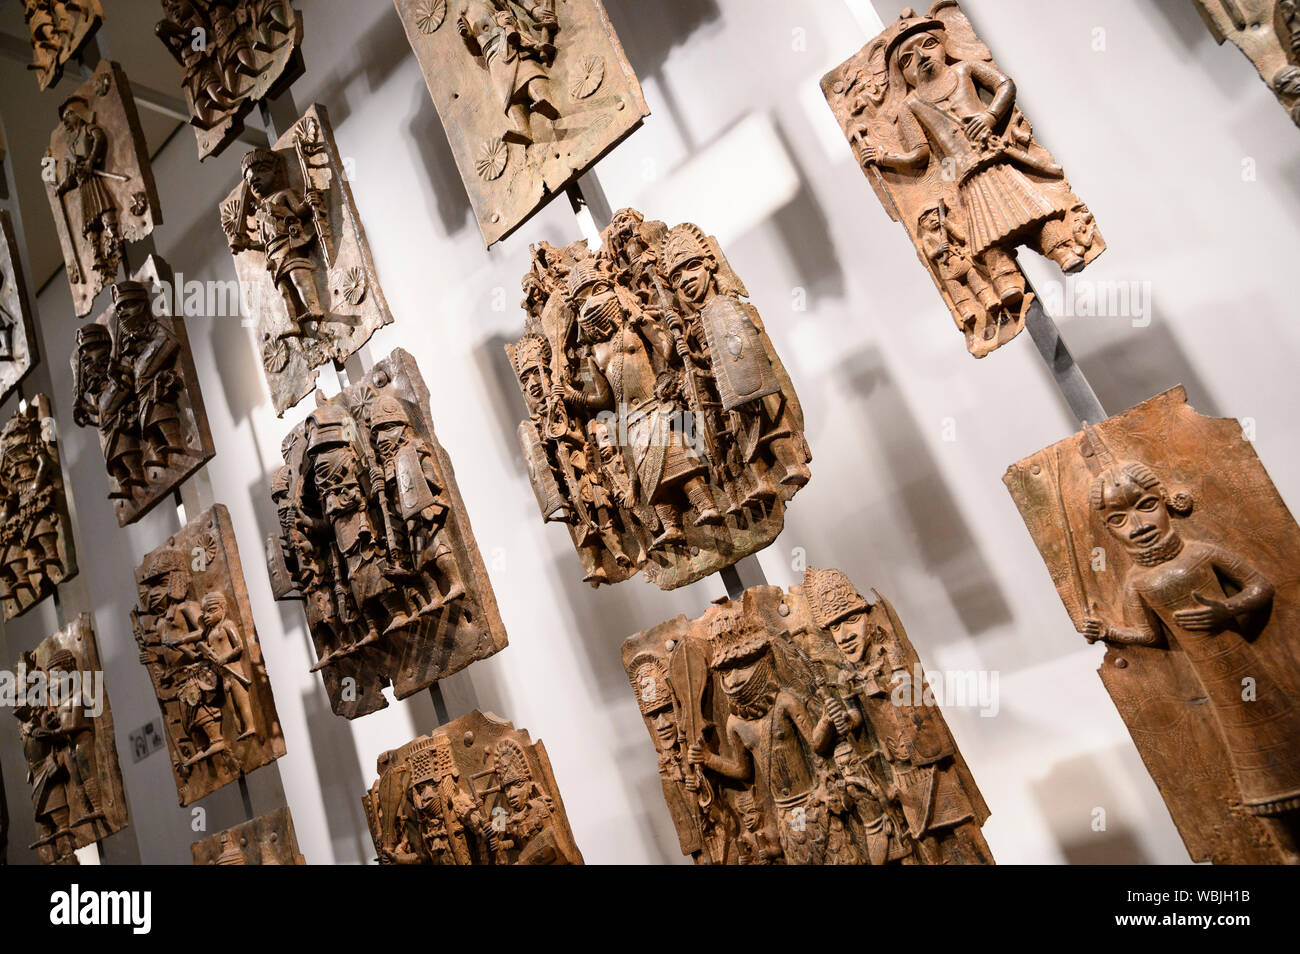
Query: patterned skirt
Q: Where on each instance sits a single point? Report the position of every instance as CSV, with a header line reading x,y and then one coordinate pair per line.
x,y
998,202
95,203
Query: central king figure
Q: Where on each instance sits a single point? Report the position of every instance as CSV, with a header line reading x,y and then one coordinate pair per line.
x,y
661,426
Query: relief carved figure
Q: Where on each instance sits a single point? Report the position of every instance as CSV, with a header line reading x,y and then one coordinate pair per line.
x,y
1169,544
99,182
936,126
134,381
662,428
793,728
375,540
194,631
71,754
36,551
1268,32
301,252
476,791
58,30
532,93
17,336
232,53
266,840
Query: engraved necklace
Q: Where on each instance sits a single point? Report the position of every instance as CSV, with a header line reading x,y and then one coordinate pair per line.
x,y
1160,553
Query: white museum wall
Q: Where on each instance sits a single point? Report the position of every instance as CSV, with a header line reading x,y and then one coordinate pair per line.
x,y
910,435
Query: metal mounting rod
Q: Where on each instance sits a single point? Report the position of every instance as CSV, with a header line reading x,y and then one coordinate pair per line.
x,y
278,114
741,575
439,704
1074,387
587,199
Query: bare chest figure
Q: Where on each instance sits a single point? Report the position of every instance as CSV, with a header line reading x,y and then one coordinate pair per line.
x,y
625,361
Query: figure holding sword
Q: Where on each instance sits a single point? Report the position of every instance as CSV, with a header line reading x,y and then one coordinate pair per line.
x,y
287,231
84,173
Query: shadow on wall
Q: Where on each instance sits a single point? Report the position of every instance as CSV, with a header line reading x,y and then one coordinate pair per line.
x,y
947,549
602,618
1290,174
1229,69
649,31
1130,368
508,406
376,55
1082,808
200,254
648,36
242,383
1118,846
651,819
1179,19
447,189
478,686
806,234
335,757
422,712
381,52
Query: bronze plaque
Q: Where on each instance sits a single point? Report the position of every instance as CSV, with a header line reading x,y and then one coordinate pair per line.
x,y
232,54
35,531
99,182
1268,32
134,381
58,30
532,93
1168,542
193,626
797,728
67,737
302,258
662,428
936,126
476,791
266,840
391,594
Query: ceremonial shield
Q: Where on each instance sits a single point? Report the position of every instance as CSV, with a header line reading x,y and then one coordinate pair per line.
x,y
282,585
413,492
740,362
549,499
